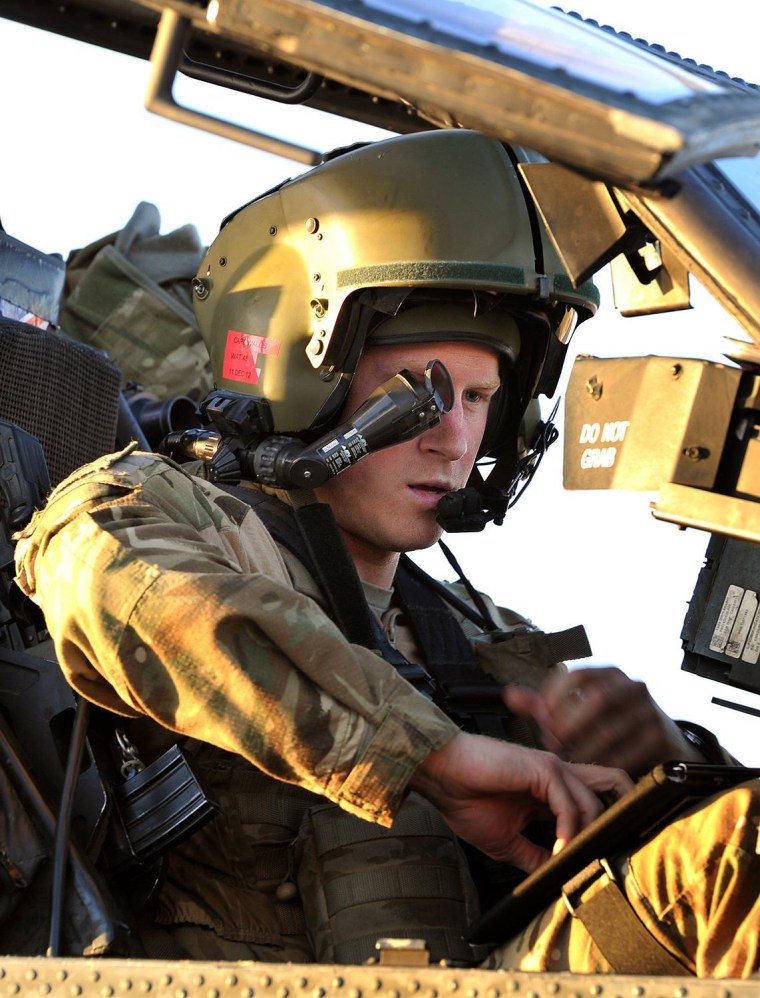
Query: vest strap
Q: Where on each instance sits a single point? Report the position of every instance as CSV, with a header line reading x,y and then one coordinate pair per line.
x,y
336,573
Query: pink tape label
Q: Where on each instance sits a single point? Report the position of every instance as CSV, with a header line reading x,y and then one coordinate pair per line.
x,y
241,352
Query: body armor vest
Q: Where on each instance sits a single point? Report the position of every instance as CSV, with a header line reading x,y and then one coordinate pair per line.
x,y
280,867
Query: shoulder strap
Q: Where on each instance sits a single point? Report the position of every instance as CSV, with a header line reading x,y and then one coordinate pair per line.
x,y
311,533
334,569
434,625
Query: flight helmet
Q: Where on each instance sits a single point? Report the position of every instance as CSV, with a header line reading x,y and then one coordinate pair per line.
x,y
423,237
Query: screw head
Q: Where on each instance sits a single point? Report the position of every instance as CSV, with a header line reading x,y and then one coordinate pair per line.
x,y
201,290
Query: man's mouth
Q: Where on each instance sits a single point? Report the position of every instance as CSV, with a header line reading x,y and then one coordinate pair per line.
x,y
427,487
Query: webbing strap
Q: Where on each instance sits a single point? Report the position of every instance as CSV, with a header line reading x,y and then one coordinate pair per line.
x,y
336,573
615,928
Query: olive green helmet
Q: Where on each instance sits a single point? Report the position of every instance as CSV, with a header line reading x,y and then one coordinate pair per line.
x,y
298,279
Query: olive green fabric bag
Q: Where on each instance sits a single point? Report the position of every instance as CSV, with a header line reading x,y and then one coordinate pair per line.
x,y
129,294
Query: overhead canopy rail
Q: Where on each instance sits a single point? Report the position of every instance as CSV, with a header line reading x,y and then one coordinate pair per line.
x,y
577,94
583,96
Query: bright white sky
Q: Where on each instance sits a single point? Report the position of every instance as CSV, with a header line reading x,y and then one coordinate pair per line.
x,y
80,153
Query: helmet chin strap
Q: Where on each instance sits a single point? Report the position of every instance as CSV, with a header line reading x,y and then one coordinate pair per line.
x,y
468,510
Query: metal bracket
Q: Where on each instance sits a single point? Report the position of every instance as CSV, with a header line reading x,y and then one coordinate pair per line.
x,y
392,952
166,58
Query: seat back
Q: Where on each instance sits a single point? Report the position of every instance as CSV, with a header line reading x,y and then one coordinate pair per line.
x,y
65,393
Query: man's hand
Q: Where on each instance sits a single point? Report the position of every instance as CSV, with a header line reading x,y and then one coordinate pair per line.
x,y
488,791
600,715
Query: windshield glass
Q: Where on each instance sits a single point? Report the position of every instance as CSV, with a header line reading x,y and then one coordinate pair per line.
x,y
545,37
744,174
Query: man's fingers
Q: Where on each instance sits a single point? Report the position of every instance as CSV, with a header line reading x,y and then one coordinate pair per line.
x,y
574,806
574,800
597,715
602,779
532,706
522,701
526,855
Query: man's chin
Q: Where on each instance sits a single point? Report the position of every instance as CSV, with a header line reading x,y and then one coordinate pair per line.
x,y
423,539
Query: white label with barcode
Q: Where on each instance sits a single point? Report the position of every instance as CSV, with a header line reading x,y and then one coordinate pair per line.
x,y
751,651
744,618
728,611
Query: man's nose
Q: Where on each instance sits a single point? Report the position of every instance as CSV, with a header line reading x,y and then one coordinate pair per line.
x,y
448,437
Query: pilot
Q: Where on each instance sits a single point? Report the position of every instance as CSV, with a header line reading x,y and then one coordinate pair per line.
x,y
346,710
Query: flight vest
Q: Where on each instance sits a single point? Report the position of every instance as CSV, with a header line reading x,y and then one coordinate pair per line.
x,y
281,866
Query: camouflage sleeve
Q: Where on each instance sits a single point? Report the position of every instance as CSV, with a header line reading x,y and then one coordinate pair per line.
x,y
167,597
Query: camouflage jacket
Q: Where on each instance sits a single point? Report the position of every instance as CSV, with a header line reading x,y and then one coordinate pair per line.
x,y
167,598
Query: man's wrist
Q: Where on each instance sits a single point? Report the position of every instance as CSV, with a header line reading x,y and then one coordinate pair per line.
x,y
703,741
